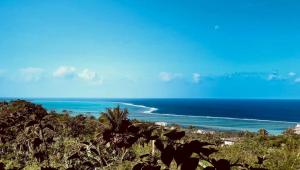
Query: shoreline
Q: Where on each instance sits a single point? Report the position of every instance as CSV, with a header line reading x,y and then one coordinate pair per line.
x,y
176,122
150,114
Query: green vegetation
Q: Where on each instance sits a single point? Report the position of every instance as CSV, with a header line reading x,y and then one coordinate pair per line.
x,y
32,138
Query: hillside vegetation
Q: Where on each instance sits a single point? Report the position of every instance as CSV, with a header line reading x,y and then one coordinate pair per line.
x,y
32,138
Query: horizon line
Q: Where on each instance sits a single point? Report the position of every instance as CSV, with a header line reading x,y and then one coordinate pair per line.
x,y
209,98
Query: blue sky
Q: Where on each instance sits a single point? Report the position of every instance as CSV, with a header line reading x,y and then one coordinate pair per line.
x,y
149,48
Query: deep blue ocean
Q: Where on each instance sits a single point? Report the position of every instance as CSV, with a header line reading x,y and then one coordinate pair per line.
x,y
218,114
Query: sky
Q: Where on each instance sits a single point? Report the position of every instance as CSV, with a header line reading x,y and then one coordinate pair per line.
x,y
150,48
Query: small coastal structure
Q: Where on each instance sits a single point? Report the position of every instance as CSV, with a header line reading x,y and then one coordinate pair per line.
x,y
297,129
229,141
200,131
161,123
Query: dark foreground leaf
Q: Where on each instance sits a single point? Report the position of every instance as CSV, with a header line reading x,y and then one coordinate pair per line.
x,y
190,164
167,155
174,135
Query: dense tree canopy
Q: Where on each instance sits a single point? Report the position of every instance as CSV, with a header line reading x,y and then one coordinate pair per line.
x,y
32,138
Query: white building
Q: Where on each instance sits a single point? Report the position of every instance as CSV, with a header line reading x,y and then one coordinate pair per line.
x,y
297,129
229,141
161,123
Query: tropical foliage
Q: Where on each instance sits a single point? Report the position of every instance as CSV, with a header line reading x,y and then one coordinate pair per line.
x,y
32,138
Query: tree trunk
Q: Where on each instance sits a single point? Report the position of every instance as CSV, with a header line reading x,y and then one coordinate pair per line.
x,y
153,147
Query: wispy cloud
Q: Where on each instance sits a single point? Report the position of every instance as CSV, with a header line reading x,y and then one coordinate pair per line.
x,y
235,75
90,76
274,76
167,76
74,73
267,76
31,73
196,77
297,80
262,76
291,74
65,72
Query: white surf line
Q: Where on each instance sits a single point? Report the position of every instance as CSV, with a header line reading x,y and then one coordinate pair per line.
x,y
228,118
150,109
209,117
153,109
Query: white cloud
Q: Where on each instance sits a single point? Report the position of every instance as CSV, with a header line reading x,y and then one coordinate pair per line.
x,y
85,74
297,80
196,77
65,72
273,76
164,76
167,77
91,76
31,73
291,74
276,76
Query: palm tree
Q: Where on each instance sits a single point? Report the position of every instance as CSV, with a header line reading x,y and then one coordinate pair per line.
x,y
116,117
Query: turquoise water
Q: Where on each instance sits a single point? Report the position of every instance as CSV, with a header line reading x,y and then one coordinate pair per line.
x,y
148,113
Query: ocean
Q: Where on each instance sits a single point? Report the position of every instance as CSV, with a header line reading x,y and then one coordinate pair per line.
x,y
218,114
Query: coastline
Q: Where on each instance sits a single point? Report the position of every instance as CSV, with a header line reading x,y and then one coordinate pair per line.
x,y
153,114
